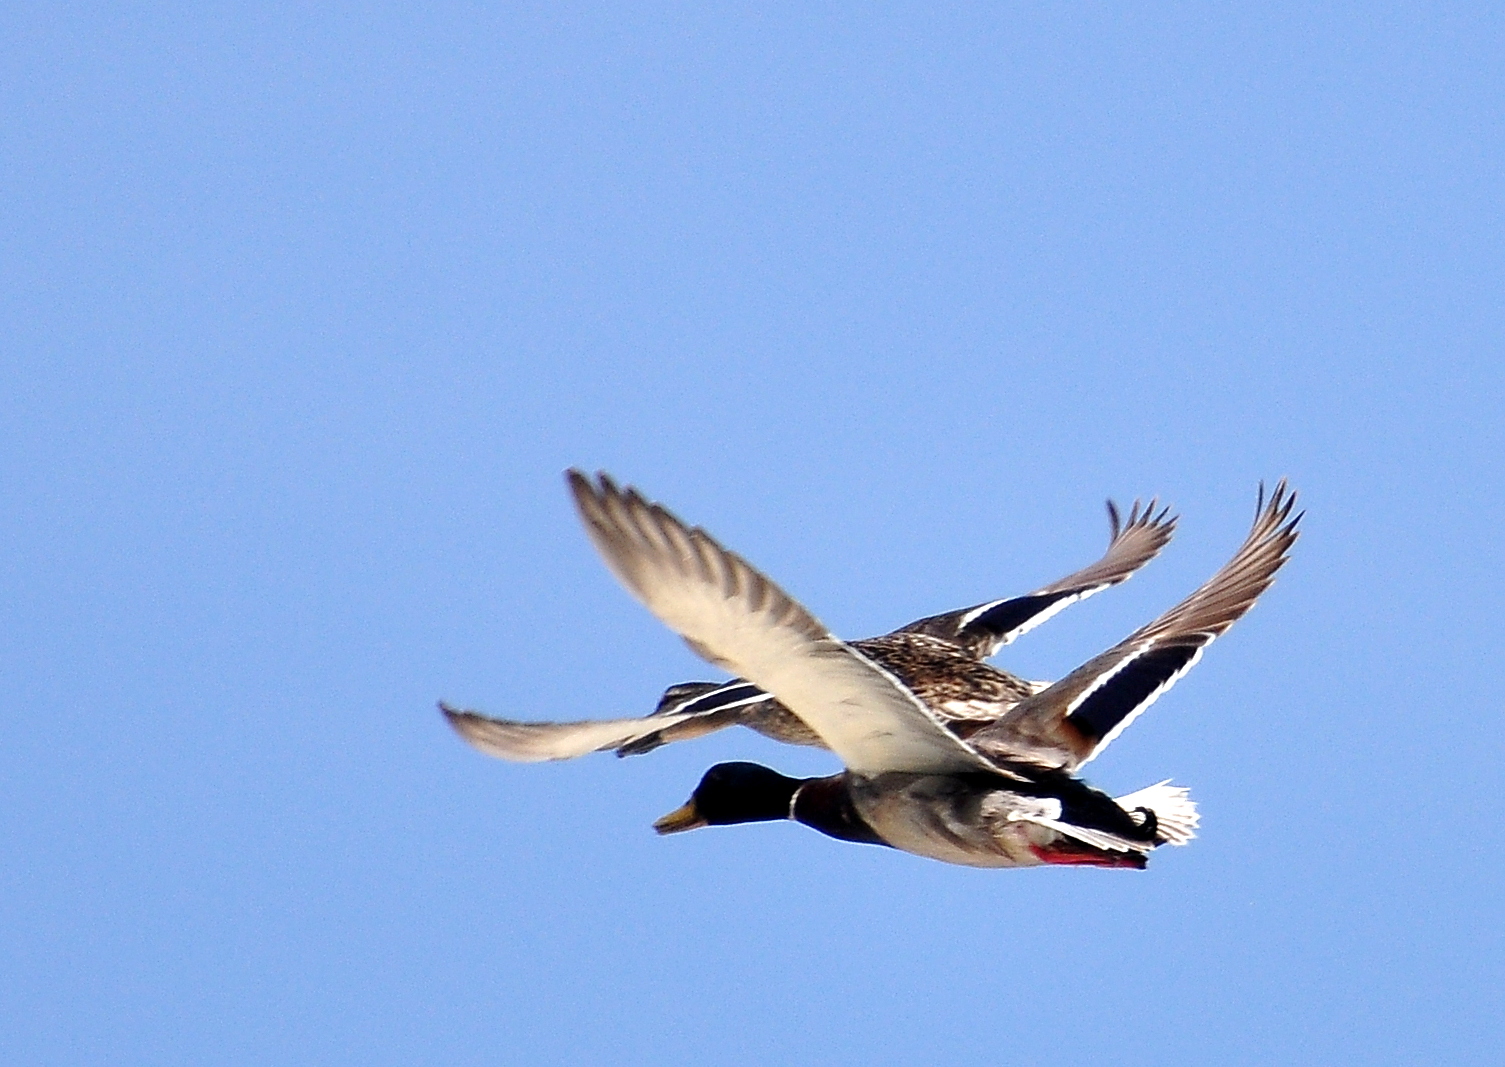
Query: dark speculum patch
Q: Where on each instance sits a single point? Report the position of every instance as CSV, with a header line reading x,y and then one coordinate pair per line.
x,y
1012,614
1129,689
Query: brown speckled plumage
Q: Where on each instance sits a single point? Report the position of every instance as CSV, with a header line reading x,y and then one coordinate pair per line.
x,y
964,692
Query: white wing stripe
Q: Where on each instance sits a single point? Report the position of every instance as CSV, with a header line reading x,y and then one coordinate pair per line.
x,y
1107,676
982,609
1143,705
744,702
1048,614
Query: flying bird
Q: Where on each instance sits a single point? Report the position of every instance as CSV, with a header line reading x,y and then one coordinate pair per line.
x,y
1007,796
1003,796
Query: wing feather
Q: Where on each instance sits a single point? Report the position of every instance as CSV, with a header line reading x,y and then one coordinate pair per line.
x,y
532,742
985,628
1072,721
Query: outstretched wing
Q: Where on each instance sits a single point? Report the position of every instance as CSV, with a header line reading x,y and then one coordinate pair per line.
x,y
687,710
531,742
738,619
985,628
1072,721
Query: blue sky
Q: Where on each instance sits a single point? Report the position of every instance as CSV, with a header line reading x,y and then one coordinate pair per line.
x,y
308,309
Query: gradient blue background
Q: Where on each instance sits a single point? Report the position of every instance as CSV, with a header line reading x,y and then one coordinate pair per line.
x,y
305,311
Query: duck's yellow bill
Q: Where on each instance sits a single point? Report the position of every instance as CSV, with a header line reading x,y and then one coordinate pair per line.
x,y
685,818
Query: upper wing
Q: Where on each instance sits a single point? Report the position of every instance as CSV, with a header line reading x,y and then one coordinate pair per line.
x,y
985,628
1069,723
738,619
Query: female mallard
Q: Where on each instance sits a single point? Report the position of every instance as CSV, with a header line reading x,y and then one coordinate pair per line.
x,y
1005,797
939,657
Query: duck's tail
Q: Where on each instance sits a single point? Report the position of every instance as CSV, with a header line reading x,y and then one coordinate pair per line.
x,y
1176,817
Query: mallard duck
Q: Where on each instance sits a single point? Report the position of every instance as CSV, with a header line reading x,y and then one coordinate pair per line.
x,y
940,657
731,793
1005,797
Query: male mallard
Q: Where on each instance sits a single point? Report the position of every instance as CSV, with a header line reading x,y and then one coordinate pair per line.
x,y
939,657
731,793
1006,797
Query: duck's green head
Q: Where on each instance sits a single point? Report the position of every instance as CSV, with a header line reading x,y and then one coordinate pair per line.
x,y
732,793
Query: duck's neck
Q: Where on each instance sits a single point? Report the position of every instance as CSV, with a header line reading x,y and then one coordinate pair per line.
x,y
825,804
